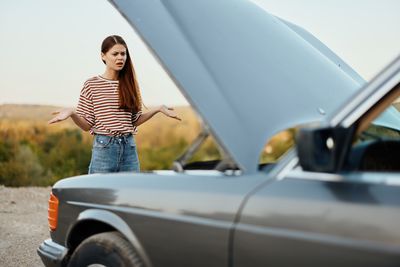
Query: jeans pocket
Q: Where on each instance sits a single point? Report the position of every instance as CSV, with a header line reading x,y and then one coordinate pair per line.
x,y
131,141
102,141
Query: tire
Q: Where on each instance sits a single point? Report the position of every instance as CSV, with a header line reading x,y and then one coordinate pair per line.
x,y
105,249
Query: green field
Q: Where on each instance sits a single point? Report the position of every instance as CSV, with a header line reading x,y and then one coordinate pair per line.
x,y
35,153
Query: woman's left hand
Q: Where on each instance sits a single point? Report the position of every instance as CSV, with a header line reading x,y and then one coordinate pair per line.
x,y
167,111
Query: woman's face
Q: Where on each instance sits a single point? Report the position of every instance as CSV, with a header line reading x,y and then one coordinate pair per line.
x,y
115,58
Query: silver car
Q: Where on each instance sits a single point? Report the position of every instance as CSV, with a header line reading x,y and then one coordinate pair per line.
x,y
332,200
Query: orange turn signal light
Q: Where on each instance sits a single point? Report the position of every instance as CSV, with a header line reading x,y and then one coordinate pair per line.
x,y
53,212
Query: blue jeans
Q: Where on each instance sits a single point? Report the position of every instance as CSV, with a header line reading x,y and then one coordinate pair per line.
x,y
114,154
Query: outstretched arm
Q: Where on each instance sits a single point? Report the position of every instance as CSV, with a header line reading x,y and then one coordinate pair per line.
x,y
163,109
65,113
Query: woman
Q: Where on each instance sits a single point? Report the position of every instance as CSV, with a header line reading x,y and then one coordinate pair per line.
x,y
110,107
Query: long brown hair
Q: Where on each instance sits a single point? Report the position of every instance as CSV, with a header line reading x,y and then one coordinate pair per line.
x,y
129,93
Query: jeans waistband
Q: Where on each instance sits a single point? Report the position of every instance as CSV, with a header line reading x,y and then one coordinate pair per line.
x,y
123,137
112,139
114,136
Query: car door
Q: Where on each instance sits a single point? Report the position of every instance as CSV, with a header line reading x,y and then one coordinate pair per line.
x,y
319,219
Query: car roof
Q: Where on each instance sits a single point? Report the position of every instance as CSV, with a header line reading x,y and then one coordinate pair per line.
x,y
247,73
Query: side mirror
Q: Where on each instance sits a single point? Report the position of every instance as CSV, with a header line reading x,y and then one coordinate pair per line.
x,y
323,149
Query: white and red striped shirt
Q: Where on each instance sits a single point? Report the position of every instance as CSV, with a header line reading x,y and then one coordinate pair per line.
x,y
99,106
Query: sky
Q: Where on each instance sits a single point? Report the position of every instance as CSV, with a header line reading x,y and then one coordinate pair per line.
x,y
49,48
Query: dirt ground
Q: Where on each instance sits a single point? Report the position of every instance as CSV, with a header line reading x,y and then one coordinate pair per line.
x,y
23,225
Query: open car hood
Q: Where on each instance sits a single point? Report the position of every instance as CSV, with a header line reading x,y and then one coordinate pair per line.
x,y
248,73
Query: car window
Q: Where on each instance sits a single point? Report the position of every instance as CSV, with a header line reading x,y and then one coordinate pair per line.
x,y
386,125
377,146
377,132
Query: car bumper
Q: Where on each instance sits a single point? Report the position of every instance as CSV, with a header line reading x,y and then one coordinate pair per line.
x,y
52,254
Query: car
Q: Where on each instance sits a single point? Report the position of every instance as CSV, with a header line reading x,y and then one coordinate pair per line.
x,y
331,200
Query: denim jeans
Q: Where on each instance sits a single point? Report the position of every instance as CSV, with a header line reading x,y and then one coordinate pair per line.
x,y
114,154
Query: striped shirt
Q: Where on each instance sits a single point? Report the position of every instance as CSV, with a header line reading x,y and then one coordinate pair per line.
x,y
99,106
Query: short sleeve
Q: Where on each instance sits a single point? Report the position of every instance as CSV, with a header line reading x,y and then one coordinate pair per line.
x,y
85,105
135,116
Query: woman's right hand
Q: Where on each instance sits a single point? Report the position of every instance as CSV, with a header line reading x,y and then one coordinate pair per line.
x,y
61,114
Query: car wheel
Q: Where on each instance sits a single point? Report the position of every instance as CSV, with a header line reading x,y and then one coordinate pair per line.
x,y
105,249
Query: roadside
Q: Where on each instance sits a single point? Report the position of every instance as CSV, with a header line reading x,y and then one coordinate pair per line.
x,y
23,224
